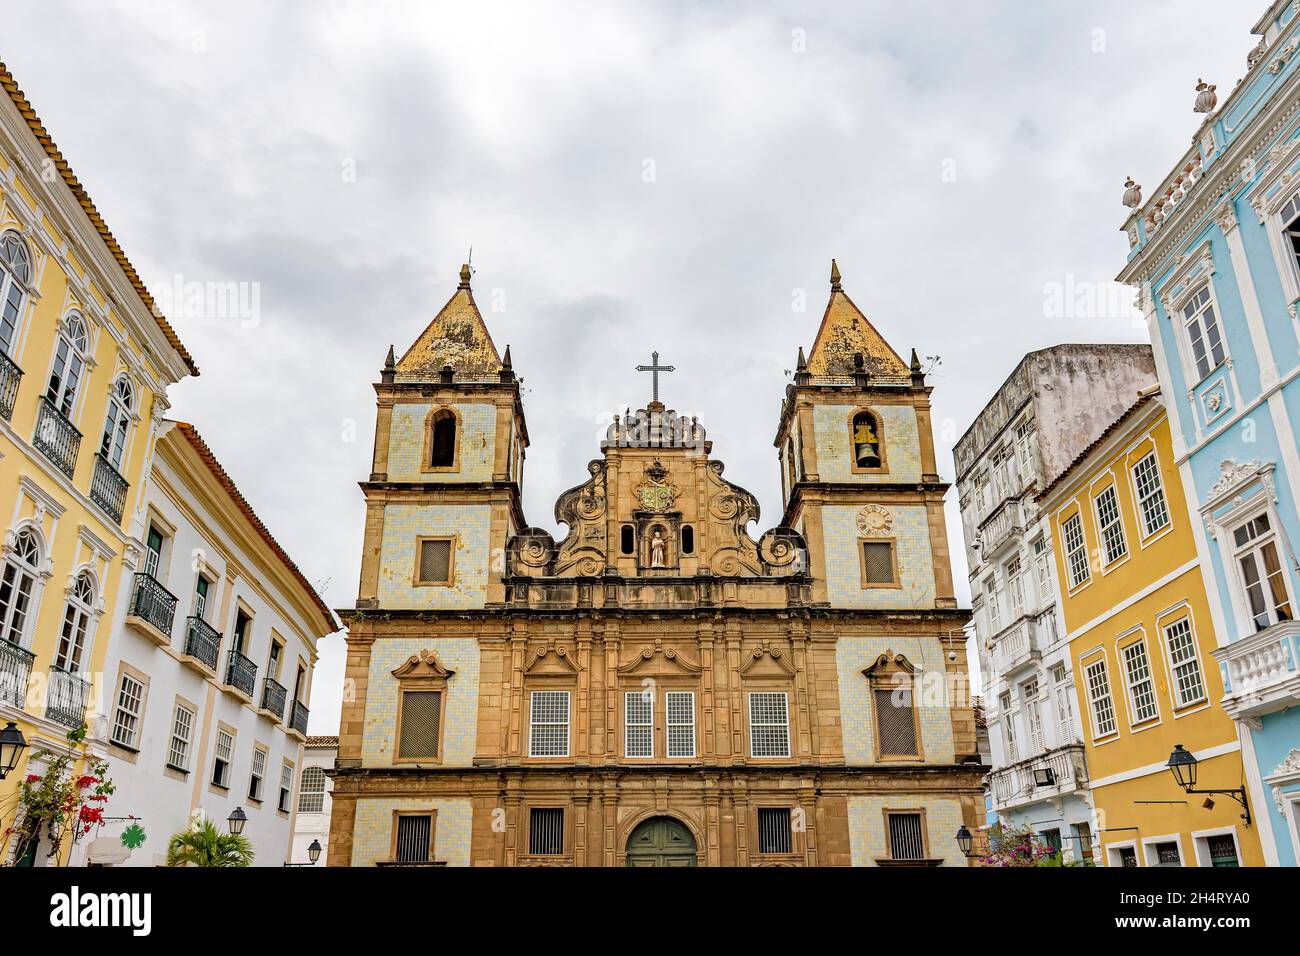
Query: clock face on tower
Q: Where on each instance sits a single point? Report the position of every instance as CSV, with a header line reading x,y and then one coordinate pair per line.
x,y
875,521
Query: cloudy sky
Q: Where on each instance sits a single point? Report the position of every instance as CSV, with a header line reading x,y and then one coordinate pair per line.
x,y
666,176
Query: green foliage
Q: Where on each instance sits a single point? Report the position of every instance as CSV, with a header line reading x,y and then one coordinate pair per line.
x,y
1011,846
204,845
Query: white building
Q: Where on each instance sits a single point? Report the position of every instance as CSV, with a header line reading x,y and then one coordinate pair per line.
x,y
312,823
1052,407
209,675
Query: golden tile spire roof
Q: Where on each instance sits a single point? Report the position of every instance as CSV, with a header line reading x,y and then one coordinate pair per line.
x,y
458,337
846,332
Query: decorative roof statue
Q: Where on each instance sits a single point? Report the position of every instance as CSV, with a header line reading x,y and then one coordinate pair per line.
x,y
1132,194
1206,98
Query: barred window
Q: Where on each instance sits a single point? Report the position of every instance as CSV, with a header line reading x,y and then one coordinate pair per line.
x,y
126,718
1103,709
311,790
774,830
1113,544
906,836
435,561
549,725
414,834
877,562
1189,688
419,735
1076,550
546,831
178,753
638,723
259,772
769,725
680,705
1141,688
895,718
221,759
1151,496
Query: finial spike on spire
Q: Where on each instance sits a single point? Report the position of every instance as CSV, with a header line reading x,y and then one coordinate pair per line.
x,y
464,276
802,364
916,362
390,367
505,362
835,276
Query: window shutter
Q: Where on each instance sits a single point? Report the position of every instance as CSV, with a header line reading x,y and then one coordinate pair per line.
x,y
895,721
421,710
435,560
879,562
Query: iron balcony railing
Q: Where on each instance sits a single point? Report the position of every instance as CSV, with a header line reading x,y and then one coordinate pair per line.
x,y
202,642
298,719
108,488
56,437
15,673
10,375
241,673
66,699
273,695
152,602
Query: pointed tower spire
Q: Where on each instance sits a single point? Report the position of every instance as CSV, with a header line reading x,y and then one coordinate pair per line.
x,y
801,376
844,335
918,377
456,338
507,369
390,368
464,276
835,276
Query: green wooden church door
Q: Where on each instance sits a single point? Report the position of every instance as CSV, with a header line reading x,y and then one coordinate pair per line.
x,y
661,841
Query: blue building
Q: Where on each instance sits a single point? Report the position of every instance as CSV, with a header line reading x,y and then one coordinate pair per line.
x,y
1215,254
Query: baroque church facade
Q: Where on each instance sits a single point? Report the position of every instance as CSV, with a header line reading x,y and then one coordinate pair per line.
x,y
656,687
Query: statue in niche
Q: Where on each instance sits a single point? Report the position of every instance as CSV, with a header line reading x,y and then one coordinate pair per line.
x,y
658,548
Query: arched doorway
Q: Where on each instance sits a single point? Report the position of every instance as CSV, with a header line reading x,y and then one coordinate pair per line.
x,y
661,841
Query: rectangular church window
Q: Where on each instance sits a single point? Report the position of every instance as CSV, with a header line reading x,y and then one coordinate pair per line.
x,y
680,705
434,561
548,732
774,830
546,831
878,563
414,837
638,723
769,725
906,836
895,720
421,719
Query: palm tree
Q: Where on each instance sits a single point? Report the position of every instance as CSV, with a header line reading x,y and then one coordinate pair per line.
x,y
205,845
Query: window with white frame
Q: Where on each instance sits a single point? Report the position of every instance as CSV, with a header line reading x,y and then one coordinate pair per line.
x,y
1015,587
1103,708
638,723
17,586
311,790
1113,546
680,708
1064,704
1008,727
1141,688
1026,440
117,424
15,278
286,788
548,731
258,776
769,724
1151,495
1203,336
981,495
1263,579
1290,216
1189,686
69,364
992,603
1043,570
221,758
1033,715
1076,551
126,716
178,752
77,614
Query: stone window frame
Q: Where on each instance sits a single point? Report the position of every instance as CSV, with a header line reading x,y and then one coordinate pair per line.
x,y
770,686
885,814
421,672
265,750
436,413
172,770
432,814
123,751
219,789
526,809
879,419
897,583
664,684
416,582
798,835
885,670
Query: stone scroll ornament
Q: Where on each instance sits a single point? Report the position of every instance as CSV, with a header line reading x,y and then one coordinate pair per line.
x,y
732,508
582,552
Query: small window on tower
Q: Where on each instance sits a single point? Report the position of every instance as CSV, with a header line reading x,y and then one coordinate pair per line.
x,y
443,439
434,561
866,442
688,540
627,540
878,564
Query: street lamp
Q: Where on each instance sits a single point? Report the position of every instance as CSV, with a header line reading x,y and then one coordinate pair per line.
x,y
1183,763
965,840
12,745
313,854
236,820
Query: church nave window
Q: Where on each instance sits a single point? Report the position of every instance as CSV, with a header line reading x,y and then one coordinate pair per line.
x,y
627,540
906,836
688,539
419,721
638,723
435,561
878,566
680,708
774,831
442,439
413,838
548,728
867,446
546,831
769,724
892,681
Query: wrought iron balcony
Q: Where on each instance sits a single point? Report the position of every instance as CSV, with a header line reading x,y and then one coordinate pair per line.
x,y
56,437
15,671
202,642
273,695
298,717
241,673
10,376
66,695
153,604
108,488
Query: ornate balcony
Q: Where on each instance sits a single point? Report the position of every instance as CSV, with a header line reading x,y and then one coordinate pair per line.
x,y
108,488
10,376
241,674
152,609
1263,671
1003,524
56,437
1016,646
1053,773
15,672
273,697
66,695
202,643
298,718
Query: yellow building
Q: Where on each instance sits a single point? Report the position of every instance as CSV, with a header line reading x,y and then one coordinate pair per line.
x,y
85,361
1141,637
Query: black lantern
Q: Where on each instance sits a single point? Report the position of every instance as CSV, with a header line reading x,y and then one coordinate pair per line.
x,y
313,851
1044,777
12,745
964,840
236,820
1182,764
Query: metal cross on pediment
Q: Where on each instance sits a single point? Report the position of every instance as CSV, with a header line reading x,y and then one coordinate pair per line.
x,y
654,368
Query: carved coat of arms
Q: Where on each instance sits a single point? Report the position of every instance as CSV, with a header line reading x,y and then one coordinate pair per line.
x,y
657,493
